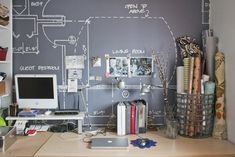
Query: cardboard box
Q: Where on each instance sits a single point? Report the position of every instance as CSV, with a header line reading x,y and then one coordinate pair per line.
x,y
2,88
7,137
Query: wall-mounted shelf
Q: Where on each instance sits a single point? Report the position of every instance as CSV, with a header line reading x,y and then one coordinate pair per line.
x,y
5,62
6,42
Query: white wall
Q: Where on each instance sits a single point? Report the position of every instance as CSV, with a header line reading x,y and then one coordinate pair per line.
x,y
222,21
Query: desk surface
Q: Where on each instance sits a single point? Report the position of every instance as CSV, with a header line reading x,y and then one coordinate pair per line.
x,y
70,144
27,146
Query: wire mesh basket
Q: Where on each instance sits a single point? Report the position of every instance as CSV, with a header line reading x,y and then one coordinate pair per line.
x,y
195,114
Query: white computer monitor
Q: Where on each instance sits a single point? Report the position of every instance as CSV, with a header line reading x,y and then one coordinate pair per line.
x,y
36,91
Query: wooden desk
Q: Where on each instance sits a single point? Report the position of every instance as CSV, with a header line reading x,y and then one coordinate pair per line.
x,y
70,144
27,146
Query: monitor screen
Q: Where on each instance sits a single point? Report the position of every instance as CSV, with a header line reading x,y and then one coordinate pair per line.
x,y
36,91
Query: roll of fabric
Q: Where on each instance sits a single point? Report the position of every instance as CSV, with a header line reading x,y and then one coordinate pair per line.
x,y
211,48
180,79
220,129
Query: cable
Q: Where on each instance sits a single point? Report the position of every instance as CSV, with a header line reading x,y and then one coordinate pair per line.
x,y
88,136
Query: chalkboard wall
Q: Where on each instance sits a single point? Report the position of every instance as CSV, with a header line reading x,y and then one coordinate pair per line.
x,y
47,31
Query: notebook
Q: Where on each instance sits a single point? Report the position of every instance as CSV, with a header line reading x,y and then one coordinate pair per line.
x,y
109,143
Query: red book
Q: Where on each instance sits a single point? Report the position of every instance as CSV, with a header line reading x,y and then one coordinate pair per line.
x,y
132,119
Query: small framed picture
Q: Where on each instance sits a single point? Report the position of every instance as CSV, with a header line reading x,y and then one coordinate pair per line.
x,y
141,66
118,66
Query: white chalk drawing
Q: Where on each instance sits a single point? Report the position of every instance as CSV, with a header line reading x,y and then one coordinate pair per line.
x,y
138,9
205,12
40,22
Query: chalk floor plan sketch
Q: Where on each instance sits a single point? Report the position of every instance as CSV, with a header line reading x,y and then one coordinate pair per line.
x,y
46,31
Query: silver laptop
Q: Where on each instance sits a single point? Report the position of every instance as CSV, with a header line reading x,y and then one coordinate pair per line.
x,y
109,143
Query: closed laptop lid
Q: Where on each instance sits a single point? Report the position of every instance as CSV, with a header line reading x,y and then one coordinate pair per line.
x,y
109,143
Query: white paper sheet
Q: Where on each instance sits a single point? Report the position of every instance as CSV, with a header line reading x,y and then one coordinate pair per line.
x,y
96,62
74,62
72,85
75,74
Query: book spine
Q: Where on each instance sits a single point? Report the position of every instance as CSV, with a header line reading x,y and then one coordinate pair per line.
x,y
123,119
142,119
128,118
119,132
136,119
132,119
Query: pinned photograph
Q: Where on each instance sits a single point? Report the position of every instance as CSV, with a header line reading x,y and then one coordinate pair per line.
x,y
74,62
141,66
75,74
96,61
118,66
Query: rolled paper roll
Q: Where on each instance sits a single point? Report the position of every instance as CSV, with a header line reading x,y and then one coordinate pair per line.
x,y
180,79
191,69
197,76
211,48
205,77
220,129
209,87
186,73
202,86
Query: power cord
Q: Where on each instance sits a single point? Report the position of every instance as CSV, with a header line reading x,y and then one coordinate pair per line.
x,y
88,136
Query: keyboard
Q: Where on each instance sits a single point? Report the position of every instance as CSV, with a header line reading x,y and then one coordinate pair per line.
x,y
39,127
67,112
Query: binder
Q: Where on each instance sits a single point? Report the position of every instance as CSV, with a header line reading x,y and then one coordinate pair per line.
x,y
121,119
128,118
136,119
119,132
142,119
132,119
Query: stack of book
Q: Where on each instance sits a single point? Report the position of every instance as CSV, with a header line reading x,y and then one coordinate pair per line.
x,y
131,117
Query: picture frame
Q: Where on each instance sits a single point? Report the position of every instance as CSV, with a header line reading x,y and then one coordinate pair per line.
x,y
141,66
118,66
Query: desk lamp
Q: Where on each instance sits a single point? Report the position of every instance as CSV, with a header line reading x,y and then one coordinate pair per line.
x,y
145,89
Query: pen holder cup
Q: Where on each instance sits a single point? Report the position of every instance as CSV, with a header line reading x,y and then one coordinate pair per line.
x,y
195,114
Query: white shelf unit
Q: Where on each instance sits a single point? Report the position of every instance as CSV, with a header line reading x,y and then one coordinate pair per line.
x,y
79,118
6,41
